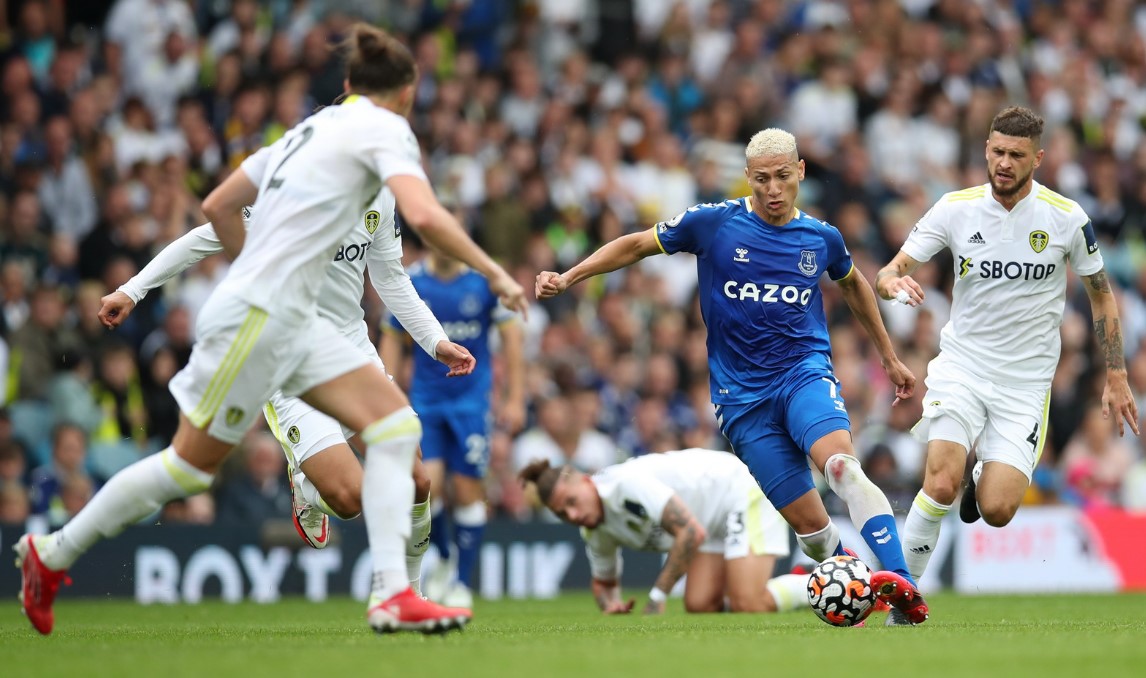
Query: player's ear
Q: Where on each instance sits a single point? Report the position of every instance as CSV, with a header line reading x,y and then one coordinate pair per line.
x,y
1039,158
800,172
346,85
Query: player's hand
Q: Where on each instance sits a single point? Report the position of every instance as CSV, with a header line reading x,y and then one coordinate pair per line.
x,y
902,377
653,607
115,309
511,294
549,285
1118,398
511,418
620,606
892,287
456,357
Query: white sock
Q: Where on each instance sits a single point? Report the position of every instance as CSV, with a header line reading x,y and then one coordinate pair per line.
x,y
130,496
864,498
819,546
311,495
921,532
387,495
418,543
790,591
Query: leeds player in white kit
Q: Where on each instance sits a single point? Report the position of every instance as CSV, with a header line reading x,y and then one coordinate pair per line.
x,y
260,332
1012,241
701,507
326,477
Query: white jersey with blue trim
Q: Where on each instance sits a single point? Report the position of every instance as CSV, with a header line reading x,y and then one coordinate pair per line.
x,y
1010,278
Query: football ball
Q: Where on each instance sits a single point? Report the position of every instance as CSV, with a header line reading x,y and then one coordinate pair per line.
x,y
840,592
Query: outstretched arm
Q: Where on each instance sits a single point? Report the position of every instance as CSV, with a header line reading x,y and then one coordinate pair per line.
x,y
622,252
512,415
1116,395
688,534
196,245
420,208
860,298
896,276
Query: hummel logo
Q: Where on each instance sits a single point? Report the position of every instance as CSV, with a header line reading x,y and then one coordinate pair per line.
x,y
741,255
881,536
976,239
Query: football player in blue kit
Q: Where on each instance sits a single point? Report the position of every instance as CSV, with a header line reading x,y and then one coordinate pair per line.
x,y
759,262
455,413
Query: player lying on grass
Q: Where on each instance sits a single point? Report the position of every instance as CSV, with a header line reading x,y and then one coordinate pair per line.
x,y
701,507
325,476
759,262
989,388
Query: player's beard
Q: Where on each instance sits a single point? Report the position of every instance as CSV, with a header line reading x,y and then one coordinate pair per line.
x,y
1019,183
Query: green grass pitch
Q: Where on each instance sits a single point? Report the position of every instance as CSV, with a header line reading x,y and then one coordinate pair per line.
x,y
983,636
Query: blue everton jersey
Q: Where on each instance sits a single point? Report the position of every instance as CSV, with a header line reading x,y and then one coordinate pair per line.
x,y
759,291
467,308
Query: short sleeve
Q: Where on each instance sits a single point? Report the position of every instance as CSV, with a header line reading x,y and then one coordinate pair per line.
x,y
604,555
394,150
692,230
839,258
929,235
1084,256
644,497
255,165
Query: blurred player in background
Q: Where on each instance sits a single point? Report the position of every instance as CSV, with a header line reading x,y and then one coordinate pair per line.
x,y
759,262
259,332
989,387
701,507
325,475
455,414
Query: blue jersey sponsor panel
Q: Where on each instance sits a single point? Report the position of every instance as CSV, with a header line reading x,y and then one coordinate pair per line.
x,y
467,308
759,291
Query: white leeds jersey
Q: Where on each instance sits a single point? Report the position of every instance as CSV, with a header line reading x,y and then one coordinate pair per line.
x,y
314,185
1010,278
634,494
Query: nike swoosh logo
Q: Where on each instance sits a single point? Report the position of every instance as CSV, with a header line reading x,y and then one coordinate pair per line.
x,y
322,537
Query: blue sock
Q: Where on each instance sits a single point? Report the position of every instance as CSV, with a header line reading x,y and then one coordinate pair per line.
x,y
469,525
439,530
882,538
840,549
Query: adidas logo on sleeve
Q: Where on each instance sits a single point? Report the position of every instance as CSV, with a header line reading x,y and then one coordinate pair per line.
x,y
976,239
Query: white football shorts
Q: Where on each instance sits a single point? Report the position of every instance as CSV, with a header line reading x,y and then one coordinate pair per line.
x,y
304,431
1002,423
243,355
754,526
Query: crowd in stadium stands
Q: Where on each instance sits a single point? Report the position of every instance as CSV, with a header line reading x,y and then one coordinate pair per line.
x,y
552,126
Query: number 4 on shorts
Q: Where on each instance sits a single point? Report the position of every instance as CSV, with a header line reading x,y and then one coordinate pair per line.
x,y
1033,438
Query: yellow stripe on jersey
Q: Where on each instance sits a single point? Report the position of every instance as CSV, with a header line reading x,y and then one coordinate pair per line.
x,y
973,193
658,239
754,523
1043,190
224,376
1043,428
846,275
1053,201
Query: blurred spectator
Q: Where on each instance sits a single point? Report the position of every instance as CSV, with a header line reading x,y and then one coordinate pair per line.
x,y
55,486
13,462
562,439
198,509
65,189
1095,462
259,491
36,346
15,507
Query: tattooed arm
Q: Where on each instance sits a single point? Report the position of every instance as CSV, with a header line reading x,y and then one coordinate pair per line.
x,y
688,534
608,597
1116,396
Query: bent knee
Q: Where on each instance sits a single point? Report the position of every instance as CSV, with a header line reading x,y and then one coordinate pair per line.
x,y
344,501
997,513
697,604
754,602
942,487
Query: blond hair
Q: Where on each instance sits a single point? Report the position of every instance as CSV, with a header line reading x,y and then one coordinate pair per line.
x,y
770,142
